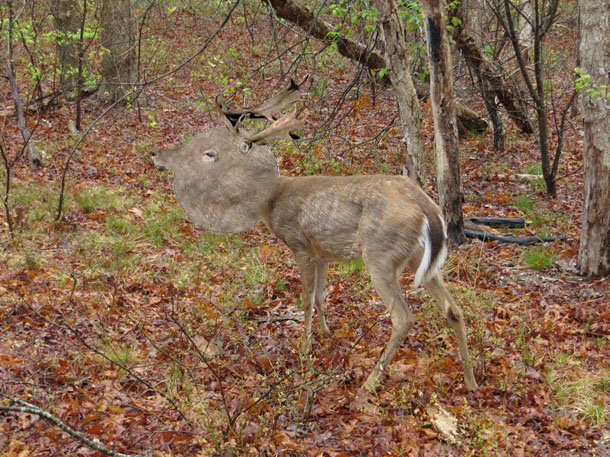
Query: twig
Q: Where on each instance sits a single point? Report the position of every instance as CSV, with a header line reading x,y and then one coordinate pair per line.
x,y
33,409
484,236
285,317
138,88
122,366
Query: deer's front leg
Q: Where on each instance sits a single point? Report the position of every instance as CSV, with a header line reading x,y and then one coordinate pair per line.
x,y
321,273
307,267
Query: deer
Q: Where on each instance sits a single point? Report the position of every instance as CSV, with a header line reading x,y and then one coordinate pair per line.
x,y
227,179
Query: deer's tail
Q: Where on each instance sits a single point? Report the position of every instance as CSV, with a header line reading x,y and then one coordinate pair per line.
x,y
434,241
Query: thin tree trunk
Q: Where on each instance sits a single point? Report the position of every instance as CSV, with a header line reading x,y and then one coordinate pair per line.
x,y
311,24
67,19
445,128
120,60
491,75
594,250
397,59
33,156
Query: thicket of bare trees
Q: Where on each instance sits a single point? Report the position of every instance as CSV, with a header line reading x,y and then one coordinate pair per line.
x,y
501,42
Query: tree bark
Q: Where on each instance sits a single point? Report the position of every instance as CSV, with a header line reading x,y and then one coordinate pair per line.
x,y
30,147
443,111
67,19
308,22
492,76
397,59
594,250
119,62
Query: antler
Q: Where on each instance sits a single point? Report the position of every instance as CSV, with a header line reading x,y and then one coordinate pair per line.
x,y
279,129
267,110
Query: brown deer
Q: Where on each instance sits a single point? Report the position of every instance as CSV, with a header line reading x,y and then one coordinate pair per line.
x,y
227,179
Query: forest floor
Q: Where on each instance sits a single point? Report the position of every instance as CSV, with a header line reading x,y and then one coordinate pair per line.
x,y
138,328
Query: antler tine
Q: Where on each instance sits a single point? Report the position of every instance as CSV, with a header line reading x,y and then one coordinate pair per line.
x,y
267,110
281,128
279,101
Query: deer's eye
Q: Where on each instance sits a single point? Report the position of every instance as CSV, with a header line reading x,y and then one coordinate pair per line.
x,y
244,147
210,156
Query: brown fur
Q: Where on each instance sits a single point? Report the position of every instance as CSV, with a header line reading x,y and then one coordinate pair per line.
x,y
385,220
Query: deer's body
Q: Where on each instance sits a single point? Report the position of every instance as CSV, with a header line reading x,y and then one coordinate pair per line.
x,y
335,218
227,180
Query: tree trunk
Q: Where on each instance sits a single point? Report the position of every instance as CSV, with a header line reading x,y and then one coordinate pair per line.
x,y
67,19
306,20
443,111
119,63
490,75
316,27
594,252
29,144
397,59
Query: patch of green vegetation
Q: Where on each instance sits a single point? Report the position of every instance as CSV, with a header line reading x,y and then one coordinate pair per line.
x,y
102,199
39,201
32,259
580,393
119,225
539,258
214,242
538,184
119,354
313,165
256,272
535,215
161,223
281,284
351,267
524,203
319,88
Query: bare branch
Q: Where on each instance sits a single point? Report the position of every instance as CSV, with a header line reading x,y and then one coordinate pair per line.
x,y
33,409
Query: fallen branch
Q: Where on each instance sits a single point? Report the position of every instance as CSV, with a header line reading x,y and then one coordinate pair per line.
x,y
484,236
33,409
282,318
510,222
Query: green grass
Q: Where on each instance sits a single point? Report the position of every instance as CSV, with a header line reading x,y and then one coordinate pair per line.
x,y
524,204
100,198
580,393
539,258
350,268
161,223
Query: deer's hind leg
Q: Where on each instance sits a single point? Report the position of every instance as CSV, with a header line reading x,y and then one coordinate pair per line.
x,y
455,317
385,281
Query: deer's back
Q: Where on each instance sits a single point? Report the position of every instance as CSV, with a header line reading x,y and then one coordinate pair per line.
x,y
341,218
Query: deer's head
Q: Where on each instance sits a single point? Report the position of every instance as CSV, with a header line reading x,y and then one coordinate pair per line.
x,y
223,176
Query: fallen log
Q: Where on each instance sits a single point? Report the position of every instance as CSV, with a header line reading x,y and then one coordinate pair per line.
x,y
508,222
484,236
